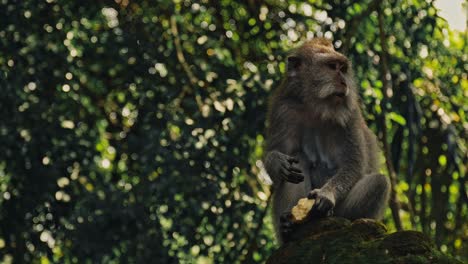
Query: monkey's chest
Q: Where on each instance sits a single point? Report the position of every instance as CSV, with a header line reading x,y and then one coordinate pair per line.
x,y
321,150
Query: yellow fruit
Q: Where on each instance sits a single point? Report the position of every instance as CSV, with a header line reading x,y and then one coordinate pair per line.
x,y
301,210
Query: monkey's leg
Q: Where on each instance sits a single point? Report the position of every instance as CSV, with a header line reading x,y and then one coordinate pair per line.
x,y
367,199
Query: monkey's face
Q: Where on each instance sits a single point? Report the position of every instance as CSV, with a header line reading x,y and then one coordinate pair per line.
x,y
324,81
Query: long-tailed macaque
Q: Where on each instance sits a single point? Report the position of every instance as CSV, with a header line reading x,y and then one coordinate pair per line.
x,y
318,144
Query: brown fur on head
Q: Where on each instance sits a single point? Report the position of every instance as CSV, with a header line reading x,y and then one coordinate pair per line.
x,y
321,78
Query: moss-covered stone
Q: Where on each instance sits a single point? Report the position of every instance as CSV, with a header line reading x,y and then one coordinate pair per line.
x,y
337,240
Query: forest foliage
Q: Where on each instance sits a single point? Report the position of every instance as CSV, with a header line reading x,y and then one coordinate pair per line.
x,y
131,130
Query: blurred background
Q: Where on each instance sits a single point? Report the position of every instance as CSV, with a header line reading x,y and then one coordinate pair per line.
x,y
130,130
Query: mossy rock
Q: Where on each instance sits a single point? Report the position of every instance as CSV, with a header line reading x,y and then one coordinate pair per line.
x,y
337,240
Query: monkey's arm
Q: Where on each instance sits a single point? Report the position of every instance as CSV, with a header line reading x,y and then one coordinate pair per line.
x,y
282,141
350,170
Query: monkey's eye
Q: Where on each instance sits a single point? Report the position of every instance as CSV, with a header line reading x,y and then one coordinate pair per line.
x,y
344,68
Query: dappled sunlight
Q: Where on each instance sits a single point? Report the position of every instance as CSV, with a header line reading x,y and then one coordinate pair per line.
x,y
133,131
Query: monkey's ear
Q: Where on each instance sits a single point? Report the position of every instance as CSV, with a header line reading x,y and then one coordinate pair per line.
x,y
294,63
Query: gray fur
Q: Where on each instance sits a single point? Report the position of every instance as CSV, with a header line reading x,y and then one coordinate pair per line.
x,y
335,150
366,198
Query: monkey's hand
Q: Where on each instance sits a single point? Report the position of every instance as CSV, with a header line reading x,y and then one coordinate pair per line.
x,y
284,166
324,202
290,172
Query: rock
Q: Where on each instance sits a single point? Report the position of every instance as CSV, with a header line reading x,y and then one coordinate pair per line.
x,y
337,240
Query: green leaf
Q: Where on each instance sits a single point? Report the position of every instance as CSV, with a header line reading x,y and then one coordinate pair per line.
x,y
397,118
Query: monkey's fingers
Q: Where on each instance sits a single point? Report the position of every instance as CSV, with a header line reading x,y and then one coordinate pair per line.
x,y
316,204
295,177
287,168
295,181
292,177
321,205
324,206
316,210
313,195
293,160
298,176
294,169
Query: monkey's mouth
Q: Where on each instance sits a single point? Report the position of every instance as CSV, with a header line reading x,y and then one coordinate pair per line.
x,y
338,95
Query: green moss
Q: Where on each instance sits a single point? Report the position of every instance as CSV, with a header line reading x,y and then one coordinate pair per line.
x,y
338,241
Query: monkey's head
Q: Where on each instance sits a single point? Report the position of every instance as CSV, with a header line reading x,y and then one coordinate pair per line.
x,y
323,79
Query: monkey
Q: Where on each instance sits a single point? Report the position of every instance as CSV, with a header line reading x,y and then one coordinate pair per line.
x,y
317,142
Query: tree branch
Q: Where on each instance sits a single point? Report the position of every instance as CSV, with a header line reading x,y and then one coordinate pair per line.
x,y
181,58
385,72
